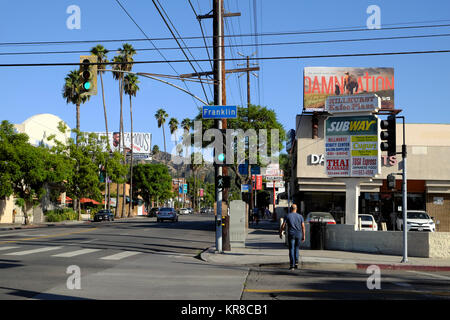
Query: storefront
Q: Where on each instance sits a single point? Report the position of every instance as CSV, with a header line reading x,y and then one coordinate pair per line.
x,y
428,172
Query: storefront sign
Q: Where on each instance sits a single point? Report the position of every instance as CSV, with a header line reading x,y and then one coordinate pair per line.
x,y
319,159
351,146
353,103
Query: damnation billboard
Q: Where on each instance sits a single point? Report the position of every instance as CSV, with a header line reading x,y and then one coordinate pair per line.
x,y
319,83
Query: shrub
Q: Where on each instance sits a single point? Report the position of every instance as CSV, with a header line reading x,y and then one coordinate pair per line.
x,y
59,215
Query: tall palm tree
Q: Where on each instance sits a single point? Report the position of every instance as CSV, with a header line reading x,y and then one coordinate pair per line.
x,y
173,126
101,53
186,125
124,63
71,92
131,88
161,116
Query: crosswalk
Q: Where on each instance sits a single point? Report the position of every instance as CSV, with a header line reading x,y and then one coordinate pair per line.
x,y
67,252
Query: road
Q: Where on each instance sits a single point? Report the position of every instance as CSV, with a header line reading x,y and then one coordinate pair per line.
x,y
140,259
125,259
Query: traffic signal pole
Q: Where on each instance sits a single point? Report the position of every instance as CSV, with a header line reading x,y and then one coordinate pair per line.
x,y
405,198
217,31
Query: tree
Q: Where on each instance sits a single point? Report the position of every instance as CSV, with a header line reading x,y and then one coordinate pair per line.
x,y
71,92
131,88
197,163
152,182
25,170
173,126
257,118
85,160
123,62
155,149
186,124
161,116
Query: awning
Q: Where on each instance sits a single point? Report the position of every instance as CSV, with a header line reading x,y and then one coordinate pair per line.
x,y
87,200
67,199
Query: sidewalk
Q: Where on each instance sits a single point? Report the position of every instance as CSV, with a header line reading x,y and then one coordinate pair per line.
x,y
265,248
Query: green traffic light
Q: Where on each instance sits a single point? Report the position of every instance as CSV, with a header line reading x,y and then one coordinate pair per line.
x,y
87,85
221,157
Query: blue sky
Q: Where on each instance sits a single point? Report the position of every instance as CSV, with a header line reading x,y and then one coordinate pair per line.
x,y
422,82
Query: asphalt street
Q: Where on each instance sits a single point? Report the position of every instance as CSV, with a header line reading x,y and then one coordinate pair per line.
x,y
140,259
125,259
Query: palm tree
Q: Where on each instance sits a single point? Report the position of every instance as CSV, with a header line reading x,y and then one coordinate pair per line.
x,y
173,126
100,52
161,116
124,63
71,92
186,125
131,88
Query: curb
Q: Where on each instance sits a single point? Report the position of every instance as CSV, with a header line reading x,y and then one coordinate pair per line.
x,y
404,267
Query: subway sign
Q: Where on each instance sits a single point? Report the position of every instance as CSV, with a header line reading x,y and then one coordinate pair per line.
x,y
351,146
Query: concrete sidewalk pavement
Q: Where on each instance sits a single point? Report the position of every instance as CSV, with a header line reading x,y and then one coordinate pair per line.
x,y
264,247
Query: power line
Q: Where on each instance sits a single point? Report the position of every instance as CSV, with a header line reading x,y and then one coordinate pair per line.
x,y
286,33
245,45
233,59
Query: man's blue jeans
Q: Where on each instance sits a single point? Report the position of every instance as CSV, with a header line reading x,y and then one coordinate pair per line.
x,y
294,240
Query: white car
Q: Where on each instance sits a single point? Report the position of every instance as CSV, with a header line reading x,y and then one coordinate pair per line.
x,y
417,221
368,222
320,217
184,211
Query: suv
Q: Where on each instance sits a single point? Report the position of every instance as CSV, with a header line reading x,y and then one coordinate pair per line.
x,y
166,214
417,221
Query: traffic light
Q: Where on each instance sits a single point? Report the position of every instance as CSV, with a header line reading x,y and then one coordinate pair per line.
x,y
387,136
223,182
88,75
391,181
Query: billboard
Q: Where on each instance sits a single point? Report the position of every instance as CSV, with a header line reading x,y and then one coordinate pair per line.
x,y
351,146
142,142
319,83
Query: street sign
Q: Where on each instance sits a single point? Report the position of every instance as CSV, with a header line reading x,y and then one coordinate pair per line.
x,y
274,178
185,188
245,188
219,112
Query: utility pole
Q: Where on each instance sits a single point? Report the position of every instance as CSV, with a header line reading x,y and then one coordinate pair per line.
x,y
217,56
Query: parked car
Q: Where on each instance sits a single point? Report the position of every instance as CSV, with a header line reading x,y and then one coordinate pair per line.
x,y
103,215
166,214
184,211
152,212
368,222
207,210
320,217
191,211
417,220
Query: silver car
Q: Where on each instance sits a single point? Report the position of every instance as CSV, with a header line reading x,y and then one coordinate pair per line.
x,y
166,214
316,216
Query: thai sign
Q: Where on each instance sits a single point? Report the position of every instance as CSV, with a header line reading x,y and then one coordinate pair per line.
x,y
323,82
351,146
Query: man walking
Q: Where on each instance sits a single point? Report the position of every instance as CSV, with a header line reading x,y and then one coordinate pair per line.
x,y
296,231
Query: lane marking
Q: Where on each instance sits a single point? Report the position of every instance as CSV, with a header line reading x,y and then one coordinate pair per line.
x,y
7,248
121,255
75,253
23,253
48,236
438,276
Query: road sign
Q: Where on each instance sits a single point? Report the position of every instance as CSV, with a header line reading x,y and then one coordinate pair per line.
x,y
245,188
219,112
